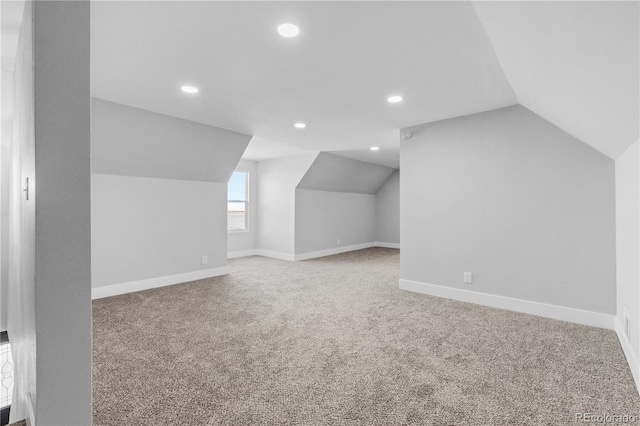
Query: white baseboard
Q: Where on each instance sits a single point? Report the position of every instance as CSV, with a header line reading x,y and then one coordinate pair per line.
x,y
130,287
309,255
329,252
313,254
241,253
595,319
632,358
387,245
275,255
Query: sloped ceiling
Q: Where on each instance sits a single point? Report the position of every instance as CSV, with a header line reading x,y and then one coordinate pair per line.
x,y
134,142
576,64
334,173
335,76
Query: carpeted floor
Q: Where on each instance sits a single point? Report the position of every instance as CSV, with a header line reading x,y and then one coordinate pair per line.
x,y
333,341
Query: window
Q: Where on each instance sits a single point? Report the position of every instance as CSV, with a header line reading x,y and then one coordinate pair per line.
x,y
6,372
238,201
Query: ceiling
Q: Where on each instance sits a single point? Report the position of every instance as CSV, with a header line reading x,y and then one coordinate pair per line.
x,y
335,76
338,174
576,64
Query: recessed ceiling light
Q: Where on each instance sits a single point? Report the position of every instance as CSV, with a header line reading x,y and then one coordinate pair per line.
x,y
288,30
374,148
189,89
394,99
299,125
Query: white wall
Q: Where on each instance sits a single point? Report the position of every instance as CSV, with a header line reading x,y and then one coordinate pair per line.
x,y
243,241
323,217
628,250
277,180
159,198
5,164
527,208
388,211
146,228
21,312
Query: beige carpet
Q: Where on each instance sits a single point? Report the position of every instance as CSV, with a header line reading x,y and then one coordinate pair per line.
x,y
333,341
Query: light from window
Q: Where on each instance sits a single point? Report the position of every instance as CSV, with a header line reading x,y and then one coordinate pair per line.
x,y
238,201
6,375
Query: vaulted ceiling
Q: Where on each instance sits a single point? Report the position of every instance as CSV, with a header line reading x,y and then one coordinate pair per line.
x,y
573,63
338,174
335,76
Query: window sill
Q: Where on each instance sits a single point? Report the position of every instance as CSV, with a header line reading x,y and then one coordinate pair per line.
x,y
237,231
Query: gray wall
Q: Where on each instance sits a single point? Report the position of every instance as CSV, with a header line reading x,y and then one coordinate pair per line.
x,y
307,202
323,216
49,276
159,194
336,200
277,180
526,207
63,220
246,240
147,228
627,244
388,211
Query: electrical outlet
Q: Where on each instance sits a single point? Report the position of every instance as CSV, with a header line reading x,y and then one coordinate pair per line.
x,y
338,241
468,277
627,325
205,260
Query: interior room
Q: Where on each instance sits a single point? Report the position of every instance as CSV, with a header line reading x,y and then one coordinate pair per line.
x,y
318,212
